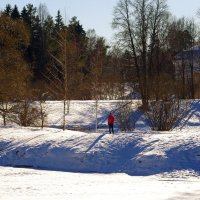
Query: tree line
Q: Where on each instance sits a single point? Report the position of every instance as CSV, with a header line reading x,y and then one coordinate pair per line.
x,y
42,58
161,50
85,51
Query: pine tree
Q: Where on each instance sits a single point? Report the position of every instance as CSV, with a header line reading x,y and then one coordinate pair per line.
x,y
15,13
25,16
28,14
76,31
7,10
59,24
77,37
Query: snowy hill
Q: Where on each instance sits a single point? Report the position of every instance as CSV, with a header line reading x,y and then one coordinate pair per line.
x,y
141,152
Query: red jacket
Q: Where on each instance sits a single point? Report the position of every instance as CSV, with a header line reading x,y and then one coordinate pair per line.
x,y
111,119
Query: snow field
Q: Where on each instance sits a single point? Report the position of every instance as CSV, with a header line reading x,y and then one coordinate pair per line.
x,y
22,184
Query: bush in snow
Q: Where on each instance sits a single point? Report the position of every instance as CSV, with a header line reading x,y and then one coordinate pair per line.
x,y
41,106
163,115
124,112
25,113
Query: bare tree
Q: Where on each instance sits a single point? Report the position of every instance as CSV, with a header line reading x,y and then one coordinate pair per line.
x,y
42,13
140,24
182,36
97,62
57,73
64,72
41,98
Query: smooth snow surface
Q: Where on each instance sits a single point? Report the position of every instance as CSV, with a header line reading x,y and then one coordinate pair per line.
x,y
23,184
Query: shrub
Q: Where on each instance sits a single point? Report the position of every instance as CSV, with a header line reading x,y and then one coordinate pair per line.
x,y
25,113
163,115
124,113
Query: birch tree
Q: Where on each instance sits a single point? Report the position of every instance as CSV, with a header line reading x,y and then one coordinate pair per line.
x,y
97,63
57,73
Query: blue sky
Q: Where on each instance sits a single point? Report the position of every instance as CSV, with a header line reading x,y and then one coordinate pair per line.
x,y
97,14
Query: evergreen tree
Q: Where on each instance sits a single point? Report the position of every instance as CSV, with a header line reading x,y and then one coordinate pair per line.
x,y
42,31
7,10
37,47
77,36
49,25
76,31
28,14
15,13
59,24
25,16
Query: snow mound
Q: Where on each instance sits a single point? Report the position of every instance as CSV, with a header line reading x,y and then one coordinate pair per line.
x,y
134,153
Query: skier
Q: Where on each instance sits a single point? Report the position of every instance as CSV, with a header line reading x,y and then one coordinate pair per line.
x,y
111,120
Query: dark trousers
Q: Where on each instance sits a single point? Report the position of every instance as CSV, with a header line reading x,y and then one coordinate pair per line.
x,y
110,128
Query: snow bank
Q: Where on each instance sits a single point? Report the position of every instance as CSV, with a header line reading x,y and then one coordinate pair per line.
x,y
135,153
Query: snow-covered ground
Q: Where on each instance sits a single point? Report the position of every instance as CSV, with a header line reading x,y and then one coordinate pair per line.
x,y
23,184
141,164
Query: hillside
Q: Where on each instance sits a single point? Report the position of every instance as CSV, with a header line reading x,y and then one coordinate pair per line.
x,y
140,152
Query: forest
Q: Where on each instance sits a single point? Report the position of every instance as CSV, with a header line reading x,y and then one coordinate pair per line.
x,y
45,58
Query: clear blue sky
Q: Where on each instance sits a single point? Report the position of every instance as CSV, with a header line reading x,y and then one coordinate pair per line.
x,y
97,14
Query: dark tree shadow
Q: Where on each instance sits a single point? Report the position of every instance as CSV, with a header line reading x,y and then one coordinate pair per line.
x,y
194,110
95,142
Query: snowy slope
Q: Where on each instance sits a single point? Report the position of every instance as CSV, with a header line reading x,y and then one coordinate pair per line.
x,y
141,152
